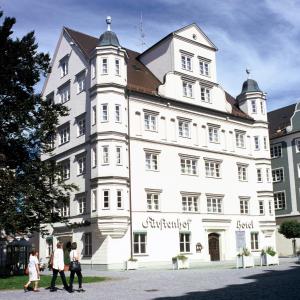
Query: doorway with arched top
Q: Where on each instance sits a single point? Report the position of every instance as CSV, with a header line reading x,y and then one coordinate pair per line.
x,y
214,246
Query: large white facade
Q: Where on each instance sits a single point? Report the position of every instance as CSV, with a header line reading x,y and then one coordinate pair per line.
x,y
165,161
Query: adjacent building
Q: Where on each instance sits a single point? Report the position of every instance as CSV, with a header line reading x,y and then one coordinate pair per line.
x,y
166,161
285,159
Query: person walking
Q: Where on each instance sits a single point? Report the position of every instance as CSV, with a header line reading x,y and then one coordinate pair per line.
x,y
58,267
75,268
34,271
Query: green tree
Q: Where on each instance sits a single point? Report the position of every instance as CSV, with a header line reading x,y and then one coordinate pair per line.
x,y
291,230
31,191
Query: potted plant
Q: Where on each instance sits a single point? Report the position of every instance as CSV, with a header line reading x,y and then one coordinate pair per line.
x,y
131,264
269,257
180,262
244,259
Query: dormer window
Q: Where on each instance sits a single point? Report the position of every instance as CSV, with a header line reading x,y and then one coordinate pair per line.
x,y
186,62
204,68
64,68
205,94
187,89
104,65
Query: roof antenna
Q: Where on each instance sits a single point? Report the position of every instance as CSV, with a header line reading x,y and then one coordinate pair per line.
x,y
108,22
248,71
142,33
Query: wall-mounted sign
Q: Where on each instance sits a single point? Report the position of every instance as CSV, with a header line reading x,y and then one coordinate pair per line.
x,y
240,238
199,247
244,225
164,224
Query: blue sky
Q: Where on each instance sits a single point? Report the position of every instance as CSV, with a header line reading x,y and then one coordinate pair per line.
x,y
262,35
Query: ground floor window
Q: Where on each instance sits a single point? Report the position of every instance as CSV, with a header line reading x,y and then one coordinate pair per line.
x,y
254,241
87,244
185,242
139,243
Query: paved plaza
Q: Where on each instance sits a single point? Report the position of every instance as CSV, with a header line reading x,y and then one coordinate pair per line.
x,y
219,282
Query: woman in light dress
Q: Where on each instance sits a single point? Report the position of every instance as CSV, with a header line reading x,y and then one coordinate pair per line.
x,y
34,271
75,257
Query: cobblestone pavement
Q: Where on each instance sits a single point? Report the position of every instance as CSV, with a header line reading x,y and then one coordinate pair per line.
x,y
273,282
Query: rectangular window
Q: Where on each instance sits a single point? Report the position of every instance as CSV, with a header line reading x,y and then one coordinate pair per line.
x,y
64,210
80,83
256,143
244,206
153,201
119,199
265,143
151,161
139,243
94,200
253,106
118,155
94,115
150,122
240,139
188,166
268,174
242,172
93,69
213,134
117,66
104,112
261,207
64,134
297,145
104,66
187,89
212,169
184,128
262,108
276,151
279,200
94,157
81,161
254,241
259,175
270,207
106,199
186,62
214,205
205,95
81,204
87,244
185,242
64,94
117,113
80,126
65,169
277,175
190,203
204,68
64,67
105,155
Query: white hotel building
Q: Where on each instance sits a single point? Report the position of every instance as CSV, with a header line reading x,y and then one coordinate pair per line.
x,y
165,160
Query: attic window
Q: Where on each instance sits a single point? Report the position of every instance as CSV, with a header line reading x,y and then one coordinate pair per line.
x,y
137,68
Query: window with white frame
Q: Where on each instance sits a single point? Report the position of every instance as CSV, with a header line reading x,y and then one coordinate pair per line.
x,y
214,204
117,113
277,175
64,209
187,88
268,174
139,242
94,156
297,145
153,201
105,199
105,155
118,155
242,172
184,128
204,68
64,94
81,204
259,175
80,126
117,66
87,244
213,134
64,67
279,200
151,161
270,207
261,207
256,143
93,68
80,83
262,108
104,66
205,94
104,112
240,139
253,106
188,166
94,115
265,143
150,121
64,134
186,62
244,206
119,199
65,169
185,242
94,200
254,241
81,165
276,151
212,168
190,203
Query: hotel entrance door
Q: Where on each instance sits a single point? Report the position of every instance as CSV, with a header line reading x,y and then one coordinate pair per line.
x,y
214,246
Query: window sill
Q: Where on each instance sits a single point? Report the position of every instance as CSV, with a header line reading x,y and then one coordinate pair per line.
x,y
213,177
213,142
151,130
81,174
63,143
140,254
185,137
152,170
196,175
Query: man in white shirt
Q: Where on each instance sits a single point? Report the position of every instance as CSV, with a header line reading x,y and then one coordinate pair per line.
x,y
58,267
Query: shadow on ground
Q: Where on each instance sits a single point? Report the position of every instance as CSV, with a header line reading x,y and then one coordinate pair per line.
x,y
272,284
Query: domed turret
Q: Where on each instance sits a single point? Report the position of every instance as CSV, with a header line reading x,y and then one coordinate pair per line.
x,y
108,38
250,85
